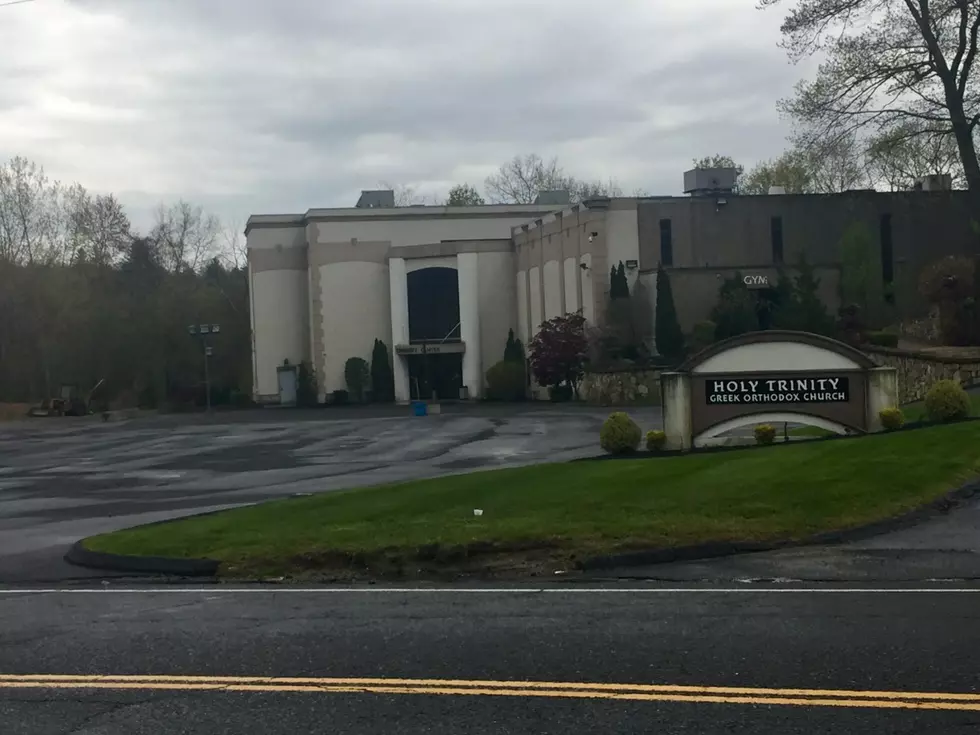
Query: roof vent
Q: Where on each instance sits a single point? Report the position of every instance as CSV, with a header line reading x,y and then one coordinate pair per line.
x,y
376,199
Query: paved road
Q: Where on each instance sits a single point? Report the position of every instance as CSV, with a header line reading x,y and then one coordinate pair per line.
x,y
64,479
621,648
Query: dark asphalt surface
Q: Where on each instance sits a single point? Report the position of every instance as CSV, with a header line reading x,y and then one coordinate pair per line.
x,y
64,479
868,640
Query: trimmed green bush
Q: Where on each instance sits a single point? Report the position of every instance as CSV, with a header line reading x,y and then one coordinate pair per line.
x,y
891,418
656,440
619,434
765,434
506,381
882,339
947,401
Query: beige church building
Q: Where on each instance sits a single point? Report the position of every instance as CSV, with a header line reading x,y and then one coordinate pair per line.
x,y
442,286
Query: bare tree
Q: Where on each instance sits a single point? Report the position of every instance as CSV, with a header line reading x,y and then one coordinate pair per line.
x,y
30,215
888,63
407,196
97,228
186,236
521,179
791,171
898,158
836,164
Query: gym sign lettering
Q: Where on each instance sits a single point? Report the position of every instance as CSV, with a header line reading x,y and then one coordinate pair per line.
x,y
777,390
756,281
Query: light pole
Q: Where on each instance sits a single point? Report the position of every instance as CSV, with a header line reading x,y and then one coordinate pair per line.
x,y
203,330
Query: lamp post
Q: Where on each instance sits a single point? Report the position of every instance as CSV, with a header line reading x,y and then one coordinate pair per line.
x,y
202,331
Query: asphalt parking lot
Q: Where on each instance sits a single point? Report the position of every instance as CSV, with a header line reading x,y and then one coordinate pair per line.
x,y
64,479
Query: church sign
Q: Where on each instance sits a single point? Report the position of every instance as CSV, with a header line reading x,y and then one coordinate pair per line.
x,y
829,389
774,377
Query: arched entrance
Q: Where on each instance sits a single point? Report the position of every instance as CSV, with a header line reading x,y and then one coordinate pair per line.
x,y
435,366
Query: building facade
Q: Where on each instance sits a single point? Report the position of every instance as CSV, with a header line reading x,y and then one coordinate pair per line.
x,y
442,286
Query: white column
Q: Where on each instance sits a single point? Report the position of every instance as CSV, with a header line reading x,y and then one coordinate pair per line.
x,y
398,287
676,393
467,266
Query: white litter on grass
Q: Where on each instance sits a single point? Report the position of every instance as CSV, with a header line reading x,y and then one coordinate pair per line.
x,y
478,511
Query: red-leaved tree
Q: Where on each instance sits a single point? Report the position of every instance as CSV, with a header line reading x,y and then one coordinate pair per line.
x,y
558,351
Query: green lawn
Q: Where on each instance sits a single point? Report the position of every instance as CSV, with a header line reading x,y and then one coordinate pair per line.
x,y
914,412
578,509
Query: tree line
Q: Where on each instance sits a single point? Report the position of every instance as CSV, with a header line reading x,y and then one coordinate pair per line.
x,y
87,300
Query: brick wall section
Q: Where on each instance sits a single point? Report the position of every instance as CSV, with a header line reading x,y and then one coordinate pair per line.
x,y
919,370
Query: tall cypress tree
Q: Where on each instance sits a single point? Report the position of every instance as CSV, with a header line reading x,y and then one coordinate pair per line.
x,y
382,376
513,350
670,339
618,285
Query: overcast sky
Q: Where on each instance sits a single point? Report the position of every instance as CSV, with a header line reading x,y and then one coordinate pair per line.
x,y
250,106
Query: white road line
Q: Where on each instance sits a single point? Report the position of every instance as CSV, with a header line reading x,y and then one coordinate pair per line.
x,y
492,591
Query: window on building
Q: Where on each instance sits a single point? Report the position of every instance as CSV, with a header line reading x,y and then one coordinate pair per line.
x,y
887,251
666,243
776,236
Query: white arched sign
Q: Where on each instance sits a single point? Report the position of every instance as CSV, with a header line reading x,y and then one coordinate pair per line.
x,y
774,377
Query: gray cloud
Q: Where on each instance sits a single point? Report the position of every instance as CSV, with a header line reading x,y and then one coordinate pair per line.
x,y
255,105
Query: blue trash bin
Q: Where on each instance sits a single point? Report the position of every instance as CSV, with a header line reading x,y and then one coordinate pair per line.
x,y
419,408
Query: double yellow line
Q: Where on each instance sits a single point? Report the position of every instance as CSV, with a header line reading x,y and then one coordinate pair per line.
x,y
542,689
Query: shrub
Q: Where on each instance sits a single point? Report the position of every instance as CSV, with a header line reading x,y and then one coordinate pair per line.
x,y
619,434
891,418
882,339
947,401
765,434
506,381
339,397
357,374
656,440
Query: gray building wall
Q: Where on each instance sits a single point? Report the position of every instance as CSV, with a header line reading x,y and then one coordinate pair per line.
x,y
711,241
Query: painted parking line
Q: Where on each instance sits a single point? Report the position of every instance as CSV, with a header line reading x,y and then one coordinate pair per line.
x,y
842,698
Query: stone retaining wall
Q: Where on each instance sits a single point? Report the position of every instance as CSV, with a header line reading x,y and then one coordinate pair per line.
x,y
621,388
918,370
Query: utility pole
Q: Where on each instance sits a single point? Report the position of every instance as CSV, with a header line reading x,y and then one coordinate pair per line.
x,y
203,330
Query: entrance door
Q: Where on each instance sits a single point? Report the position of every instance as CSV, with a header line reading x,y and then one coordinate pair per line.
x,y
287,386
441,375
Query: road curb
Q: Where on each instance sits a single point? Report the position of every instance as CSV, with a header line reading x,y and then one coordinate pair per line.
x,y
82,557
160,565
713,550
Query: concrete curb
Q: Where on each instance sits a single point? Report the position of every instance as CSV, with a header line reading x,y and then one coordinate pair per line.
x,y
82,557
713,550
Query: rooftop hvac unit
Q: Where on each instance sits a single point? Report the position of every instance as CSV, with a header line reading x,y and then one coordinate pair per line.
x,y
708,181
376,199
935,182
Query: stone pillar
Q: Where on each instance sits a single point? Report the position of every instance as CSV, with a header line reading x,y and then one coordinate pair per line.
x,y
398,287
676,392
467,266
882,394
